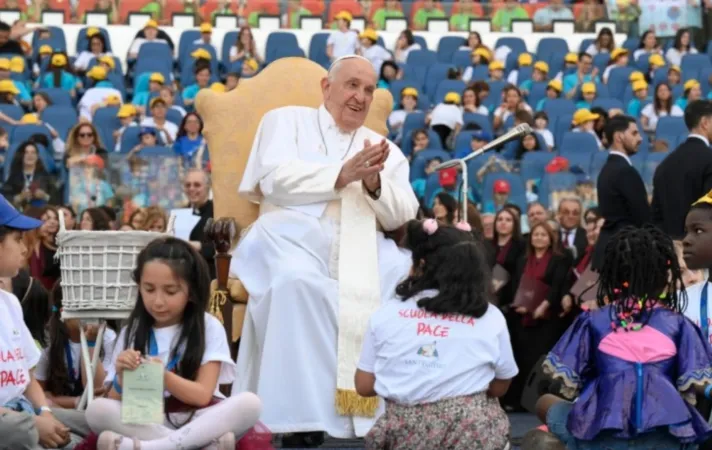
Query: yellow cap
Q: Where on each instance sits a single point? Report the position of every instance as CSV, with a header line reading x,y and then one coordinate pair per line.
x,y
97,73
201,53
92,31
541,66
483,52
217,87
252,63
8,86
618,52
369,33
109,61
588,88
656,60
707,198
689,84
524,59
59,60
555,84
29,119
45,49
155,100
584,115
127,110
112,100
345,15
411,91
636,76
571,58
675,68
17,64
151,24
205,27
496,65
157,77
4,64
452,97
639,85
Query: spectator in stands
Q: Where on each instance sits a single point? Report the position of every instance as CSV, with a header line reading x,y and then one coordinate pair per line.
x,y
420,141
505,242
155,83
8,45
389,72
527,143
553,91
685,174
96,49
29,183
512,102
445,208
420,183
404,45
156,220
8,94
82,141
147,138
57,144
479,139
371,50
536,213
206,35
648,45
196,186
446,118
41,246
692,92
572,235
150,34
674,75
23,96
502,19
604,43
471,102
168,96
496,71
544,17
137,218
619,58
681,46
408,104
167,130
640,94
523,60
41,58
584,73
655,62
59,75
473,42
244,47
391,8
480,56
94,219
539,75
99,90
428,10
343,41
570,66
190,144
70,217
460,17
541,124
232,79
584,122
250,67
127,115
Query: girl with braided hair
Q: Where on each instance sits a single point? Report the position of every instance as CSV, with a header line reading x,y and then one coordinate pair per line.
x,y
637,363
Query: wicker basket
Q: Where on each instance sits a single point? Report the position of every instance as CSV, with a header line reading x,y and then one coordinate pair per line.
x,y
96,270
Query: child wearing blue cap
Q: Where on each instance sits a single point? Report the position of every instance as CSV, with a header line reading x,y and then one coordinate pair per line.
x,y
479,139
26,420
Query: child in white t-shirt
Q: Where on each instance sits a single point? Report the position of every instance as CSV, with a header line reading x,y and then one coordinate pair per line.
x,y
446,117
169,325
439,353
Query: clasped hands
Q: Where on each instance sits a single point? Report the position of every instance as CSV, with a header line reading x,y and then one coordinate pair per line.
x,y
366,166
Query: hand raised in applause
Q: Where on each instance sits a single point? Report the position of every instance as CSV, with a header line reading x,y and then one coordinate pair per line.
x,y
365,165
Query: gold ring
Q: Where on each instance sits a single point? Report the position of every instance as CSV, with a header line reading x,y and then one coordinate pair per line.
x,y
367,165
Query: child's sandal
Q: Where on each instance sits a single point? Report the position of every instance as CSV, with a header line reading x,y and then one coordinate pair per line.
x,y
108,440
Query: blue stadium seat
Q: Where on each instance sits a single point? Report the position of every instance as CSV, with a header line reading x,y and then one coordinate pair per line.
x,y
462,58
420,40
534,164
422,58
559,107
552,50
397,87
154,57
607,103
229,41
278,40
413,121
446,86
118,67
704,79
13,111
495,96
463,142
288,52
516,44
597,162
23,132
692,64
480,72
560,125
58,96
187,64
652,160
447,46
483,121
421,160
674,126
600,61
317,49
552,182
631,44
56,40
585,43
186,43
436,73
618,80
517,195
130,138
156,152
407,142
61,118
524,74
106,122
642,62
537,92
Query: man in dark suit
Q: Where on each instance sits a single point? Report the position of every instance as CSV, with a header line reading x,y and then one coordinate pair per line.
x,y
686,173
196,186
622,198
572,235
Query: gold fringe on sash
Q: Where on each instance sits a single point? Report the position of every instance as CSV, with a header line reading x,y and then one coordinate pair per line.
x,y
216,303
349,403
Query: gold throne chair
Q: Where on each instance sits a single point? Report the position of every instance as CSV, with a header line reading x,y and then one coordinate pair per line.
x,y
231,120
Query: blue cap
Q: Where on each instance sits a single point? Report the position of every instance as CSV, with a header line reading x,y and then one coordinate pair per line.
x,y
147,130
11,218
481,135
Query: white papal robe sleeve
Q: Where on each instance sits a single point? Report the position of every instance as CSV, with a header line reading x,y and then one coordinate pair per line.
x,y
397,203
278,173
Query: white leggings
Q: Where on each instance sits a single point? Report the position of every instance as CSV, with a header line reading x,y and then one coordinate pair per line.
x,y
234,414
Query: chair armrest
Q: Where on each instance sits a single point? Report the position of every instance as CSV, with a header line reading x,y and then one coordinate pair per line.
x,y
236,290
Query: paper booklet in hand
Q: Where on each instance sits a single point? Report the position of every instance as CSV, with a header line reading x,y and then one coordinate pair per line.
x,y
530,294
142,395
585,288
500,277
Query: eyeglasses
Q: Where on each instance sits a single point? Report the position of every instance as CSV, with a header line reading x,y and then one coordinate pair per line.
x,y
84,135
195,185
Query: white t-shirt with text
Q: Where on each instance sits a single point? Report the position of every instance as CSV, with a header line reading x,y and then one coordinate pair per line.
x,y
419,357
694,299
445,114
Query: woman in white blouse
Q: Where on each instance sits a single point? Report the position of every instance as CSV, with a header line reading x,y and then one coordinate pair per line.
x,y
96,49
471,104
604,43
661,106
404,45
648,44
680,47
512,102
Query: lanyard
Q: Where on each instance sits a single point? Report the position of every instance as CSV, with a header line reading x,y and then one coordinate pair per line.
x,y
153,351
73,375
704,322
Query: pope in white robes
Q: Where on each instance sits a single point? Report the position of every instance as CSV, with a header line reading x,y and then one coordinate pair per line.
x,y
316,257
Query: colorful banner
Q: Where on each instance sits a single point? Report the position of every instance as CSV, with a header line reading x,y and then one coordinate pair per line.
x,y
664,17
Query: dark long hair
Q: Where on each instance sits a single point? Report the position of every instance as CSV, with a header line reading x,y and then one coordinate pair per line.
x,y
451,261
56,71
659,104
99,217
58,381
641,265
187,265
181,128
34,300
450,205
17,165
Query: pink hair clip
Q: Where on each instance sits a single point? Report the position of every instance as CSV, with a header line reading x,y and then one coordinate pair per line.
x,y
430,226
463,226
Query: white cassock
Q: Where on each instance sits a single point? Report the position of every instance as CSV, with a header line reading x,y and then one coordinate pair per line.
x,y
288,351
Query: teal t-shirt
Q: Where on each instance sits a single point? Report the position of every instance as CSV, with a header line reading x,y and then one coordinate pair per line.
x,y
583,104
571,80
634,107
141,99
682,103
67,81
190,92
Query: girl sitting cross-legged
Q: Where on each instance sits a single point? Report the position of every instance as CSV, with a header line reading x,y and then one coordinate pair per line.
x,y
169,325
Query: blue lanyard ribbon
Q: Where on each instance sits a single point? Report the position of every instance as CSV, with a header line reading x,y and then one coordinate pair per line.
x,y
73,374
704,321
153,351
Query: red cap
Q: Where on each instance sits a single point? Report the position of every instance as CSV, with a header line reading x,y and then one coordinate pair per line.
x,y
448,177
558,164
502,187
94,160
